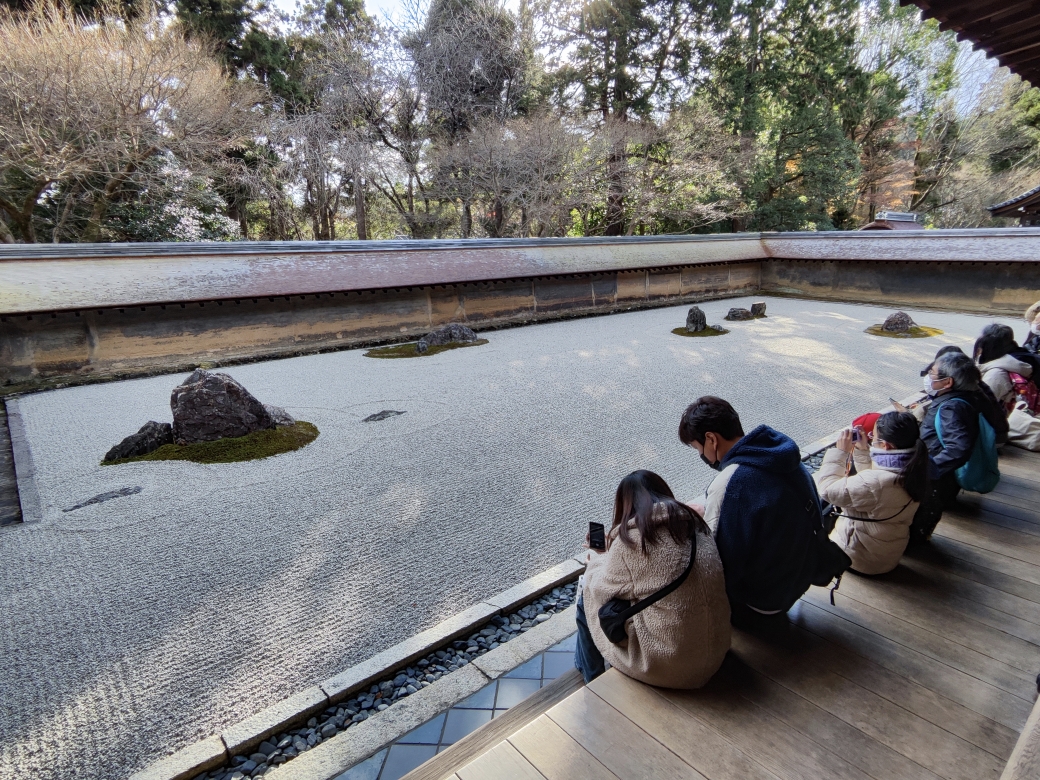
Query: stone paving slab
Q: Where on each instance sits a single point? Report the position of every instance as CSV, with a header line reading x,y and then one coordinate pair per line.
x,y
132,628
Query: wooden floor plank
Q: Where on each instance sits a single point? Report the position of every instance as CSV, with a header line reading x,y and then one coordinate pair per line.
x,y
784,751
1020,473
1004,503
502,762
1016,642
615,741
1015,545
701,747
553,753
977,557
986,586
988,700
941,649
1004,517
1013,486
947,714
837,711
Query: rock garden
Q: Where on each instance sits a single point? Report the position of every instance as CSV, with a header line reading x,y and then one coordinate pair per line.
x,y
901,326
215,420
451,336
697,322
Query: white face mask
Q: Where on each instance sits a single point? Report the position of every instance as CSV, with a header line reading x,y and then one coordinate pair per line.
x,y
1035,328
929,386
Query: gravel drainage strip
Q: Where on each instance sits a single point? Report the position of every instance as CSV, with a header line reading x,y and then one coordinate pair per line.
x,y
285,746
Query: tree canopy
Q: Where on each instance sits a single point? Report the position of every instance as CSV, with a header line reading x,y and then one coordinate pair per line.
x,y
122,120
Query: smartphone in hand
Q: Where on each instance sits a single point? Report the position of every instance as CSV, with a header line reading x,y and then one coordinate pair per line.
x,y
597,539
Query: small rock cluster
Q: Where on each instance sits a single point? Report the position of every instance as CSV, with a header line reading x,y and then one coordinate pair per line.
x,y
758,309
452,333
206,407
900,322
286,746
697,321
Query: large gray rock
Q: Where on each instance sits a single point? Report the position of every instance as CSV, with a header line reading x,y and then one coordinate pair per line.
x,y
899,322
739,314
151,437
696,321
207,407
758,309
452,333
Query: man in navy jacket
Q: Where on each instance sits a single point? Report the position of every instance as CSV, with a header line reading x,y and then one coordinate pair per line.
x,y
762,507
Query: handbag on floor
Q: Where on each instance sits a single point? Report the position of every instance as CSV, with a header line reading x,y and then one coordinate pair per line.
x,y
1024,429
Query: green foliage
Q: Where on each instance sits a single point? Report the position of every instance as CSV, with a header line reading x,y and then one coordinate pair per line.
x,y
559,117
788,85
707,332
254,446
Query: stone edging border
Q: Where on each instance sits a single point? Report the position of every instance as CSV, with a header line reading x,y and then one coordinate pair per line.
x,y
350,747
213,751
24,471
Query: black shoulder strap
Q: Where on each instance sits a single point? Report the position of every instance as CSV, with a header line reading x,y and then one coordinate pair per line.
x,y
653,598
882,519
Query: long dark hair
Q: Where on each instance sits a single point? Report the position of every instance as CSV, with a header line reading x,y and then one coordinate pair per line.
x,y
636,497
900,429
996,341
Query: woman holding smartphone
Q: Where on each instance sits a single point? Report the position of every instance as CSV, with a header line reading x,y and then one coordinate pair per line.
x,y
680,640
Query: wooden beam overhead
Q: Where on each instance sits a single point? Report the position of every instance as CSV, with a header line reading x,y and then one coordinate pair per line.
x,y
999,28
1008,30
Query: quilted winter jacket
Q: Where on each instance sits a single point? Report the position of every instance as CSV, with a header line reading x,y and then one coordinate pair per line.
x,y
680,641
872,492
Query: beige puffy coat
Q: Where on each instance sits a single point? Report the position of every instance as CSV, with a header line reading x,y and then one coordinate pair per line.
x,y
872,492
680,641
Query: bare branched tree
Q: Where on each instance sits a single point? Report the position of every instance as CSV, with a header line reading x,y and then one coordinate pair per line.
x,y
90,108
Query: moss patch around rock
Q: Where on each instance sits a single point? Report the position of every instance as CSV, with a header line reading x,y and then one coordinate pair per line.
x,y
262,444
916,332
408,350
708,331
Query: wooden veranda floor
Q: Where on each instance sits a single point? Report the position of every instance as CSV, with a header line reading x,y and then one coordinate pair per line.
x,y
927,672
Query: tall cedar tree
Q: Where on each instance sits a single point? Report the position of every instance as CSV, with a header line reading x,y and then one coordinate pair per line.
x,y
784,74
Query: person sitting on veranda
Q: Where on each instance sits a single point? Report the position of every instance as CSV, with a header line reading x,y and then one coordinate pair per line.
x,y
1032,342
762,507
983,399
953,384
878,487
679,641
1001,369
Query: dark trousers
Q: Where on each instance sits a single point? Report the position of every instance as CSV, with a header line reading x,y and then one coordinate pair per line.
x,y
943,493
587,658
